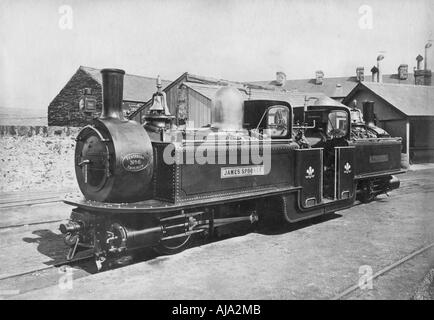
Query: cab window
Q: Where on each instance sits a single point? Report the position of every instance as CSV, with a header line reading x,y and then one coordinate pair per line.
x,y
337,126
277,121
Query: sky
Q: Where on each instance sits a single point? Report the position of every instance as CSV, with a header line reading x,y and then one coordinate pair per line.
x,y
42,43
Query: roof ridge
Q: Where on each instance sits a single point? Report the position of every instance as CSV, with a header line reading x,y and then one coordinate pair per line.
x,y
81,67
283,92
398,84
146,77
330,78
126,73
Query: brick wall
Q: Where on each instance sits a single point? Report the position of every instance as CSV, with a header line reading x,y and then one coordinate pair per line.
x,y
64,109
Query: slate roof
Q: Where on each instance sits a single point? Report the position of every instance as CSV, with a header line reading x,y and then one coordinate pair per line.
x,y
411,100
329,85
136,88
295,99
207,87
192,78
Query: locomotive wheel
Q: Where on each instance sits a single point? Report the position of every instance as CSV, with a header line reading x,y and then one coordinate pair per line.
x,y
367,194
270,213
366,198
172,243
173,246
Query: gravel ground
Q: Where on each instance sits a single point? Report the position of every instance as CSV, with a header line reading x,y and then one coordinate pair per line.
x,y
316,259
37,163
425,291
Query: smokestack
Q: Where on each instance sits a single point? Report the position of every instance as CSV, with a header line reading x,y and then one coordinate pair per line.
x,y
379,73
368,113
428,45
112,92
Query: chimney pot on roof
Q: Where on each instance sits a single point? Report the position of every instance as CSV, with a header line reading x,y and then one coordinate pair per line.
x,y
419,59
280,78
403,72
339,92
374,71
380,71
360,74
319,77
422,76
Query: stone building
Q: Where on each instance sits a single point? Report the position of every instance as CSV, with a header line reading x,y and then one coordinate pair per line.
x,y
80,100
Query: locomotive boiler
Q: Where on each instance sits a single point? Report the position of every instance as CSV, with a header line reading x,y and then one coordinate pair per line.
x,y
157,186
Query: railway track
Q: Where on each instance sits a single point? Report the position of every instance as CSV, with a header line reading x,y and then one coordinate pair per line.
x,y
10,200
40,278
19,225
384,270
54,266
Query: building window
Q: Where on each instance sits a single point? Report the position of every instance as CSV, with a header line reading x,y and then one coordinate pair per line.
x,y
87,104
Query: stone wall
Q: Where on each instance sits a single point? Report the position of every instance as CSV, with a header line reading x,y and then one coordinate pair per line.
x,y
64,109
43,131
37,159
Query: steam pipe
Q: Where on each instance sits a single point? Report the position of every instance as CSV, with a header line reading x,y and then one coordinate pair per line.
x,y
112,92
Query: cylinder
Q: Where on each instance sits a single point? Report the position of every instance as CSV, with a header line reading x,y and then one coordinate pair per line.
x,y
127,238
368,112
143,238
112,92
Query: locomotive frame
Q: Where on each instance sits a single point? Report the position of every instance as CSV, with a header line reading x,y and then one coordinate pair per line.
x,y
154,204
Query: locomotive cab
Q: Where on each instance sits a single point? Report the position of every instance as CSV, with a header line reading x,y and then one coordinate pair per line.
x,y
328,129
341,141
329,126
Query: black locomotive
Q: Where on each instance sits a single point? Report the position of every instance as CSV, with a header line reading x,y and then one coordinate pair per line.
x,y
157,186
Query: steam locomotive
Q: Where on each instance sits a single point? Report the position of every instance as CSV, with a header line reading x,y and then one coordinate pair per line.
x,y
155,185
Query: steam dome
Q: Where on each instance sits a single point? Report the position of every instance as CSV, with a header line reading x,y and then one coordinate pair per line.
x,y
227,109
